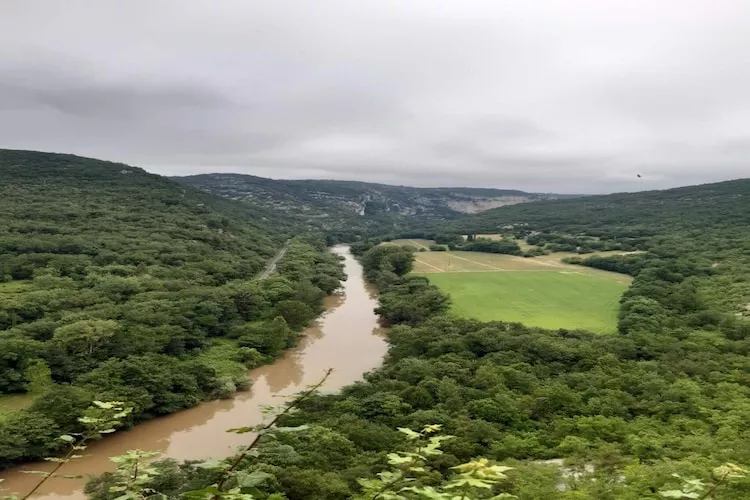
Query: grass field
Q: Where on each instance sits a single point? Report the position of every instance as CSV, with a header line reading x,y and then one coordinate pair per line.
x,y
453,262
548,299
415,243
540,291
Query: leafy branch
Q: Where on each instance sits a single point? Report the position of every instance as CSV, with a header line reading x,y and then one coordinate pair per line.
x,y
697,489
248,481
100,418
407,467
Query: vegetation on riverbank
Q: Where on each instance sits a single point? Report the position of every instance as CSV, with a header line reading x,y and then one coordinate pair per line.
x,y
623,413
124,286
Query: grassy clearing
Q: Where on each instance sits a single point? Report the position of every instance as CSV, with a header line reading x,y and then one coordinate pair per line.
x,y
441,262
551,299
415,243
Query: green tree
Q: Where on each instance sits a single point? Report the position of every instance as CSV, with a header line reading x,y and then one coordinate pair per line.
x,y
85,336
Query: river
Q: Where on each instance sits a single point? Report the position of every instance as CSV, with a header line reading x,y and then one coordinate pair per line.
x,y
346,338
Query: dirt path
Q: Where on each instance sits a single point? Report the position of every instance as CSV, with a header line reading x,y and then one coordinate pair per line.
x,y
430,265
276,258
477,262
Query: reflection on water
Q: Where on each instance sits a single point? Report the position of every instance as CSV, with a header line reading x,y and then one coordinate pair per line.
x,y
346,338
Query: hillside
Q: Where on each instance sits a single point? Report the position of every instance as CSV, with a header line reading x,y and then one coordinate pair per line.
x,y
697,208
706,226
55,204
328,202
116,283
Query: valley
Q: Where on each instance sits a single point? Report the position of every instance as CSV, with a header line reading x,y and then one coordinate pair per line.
x,y
607,333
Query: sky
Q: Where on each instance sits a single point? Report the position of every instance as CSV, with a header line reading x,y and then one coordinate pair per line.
x,y
567,96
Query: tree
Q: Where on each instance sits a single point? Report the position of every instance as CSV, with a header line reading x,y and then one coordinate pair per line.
x,y
86,335
39,377
296,314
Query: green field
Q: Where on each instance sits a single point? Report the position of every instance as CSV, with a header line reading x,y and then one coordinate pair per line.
x,y
551,299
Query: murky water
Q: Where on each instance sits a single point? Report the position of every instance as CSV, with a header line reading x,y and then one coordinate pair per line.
x,y
346,338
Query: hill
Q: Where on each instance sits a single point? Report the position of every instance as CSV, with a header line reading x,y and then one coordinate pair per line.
x,y
54,204
705,227
116,283
704,207
326,203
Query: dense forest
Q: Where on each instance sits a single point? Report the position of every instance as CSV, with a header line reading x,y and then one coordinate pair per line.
x,y
655,411
116,284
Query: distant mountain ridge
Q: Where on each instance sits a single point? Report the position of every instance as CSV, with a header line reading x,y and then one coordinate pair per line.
x,y
326,198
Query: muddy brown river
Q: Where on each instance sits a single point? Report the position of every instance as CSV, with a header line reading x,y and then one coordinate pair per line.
x,y
346,338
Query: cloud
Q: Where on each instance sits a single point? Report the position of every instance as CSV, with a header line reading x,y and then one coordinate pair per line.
x,y
574,96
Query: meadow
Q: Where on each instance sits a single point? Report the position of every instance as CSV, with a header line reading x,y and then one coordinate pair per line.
x,y
540,291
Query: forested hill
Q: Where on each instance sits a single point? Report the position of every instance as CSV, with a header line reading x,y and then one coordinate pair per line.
x,y
699,234
328,199
706,207
116,284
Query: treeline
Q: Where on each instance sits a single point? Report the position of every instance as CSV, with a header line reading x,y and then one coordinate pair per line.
x,y
403,299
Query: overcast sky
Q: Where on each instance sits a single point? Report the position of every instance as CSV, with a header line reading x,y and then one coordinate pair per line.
x,y
542,95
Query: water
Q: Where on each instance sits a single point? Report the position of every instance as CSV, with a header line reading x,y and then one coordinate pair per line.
x,y
346,338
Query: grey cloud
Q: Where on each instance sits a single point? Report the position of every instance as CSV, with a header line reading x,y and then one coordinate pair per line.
x,y
576,96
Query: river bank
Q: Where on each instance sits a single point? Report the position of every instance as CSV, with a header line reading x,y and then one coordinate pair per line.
x,y
346,338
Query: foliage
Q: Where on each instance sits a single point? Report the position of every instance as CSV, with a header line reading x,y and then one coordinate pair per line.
x,y
100,418
116,284
474,479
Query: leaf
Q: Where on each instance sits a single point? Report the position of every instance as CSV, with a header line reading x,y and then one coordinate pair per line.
x,y
409,433
390,477
39,472
203,493
211,463
253,479
396,459
67,438
107,431
675,494
242,430
463,482
293,429
127,496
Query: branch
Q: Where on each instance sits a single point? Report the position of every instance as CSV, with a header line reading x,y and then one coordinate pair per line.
x,y
293,404
60,463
